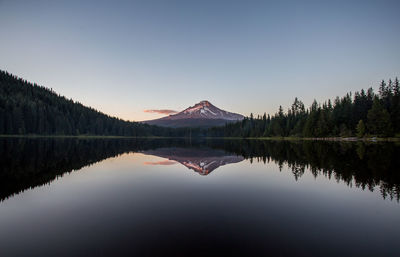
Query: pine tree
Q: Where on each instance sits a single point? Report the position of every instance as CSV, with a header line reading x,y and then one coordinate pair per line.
x,y
382,89
360,129
379,120
322,128
396,87
395,110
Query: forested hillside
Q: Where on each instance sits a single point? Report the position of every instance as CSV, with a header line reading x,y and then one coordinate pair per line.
x,y
365,113
27,108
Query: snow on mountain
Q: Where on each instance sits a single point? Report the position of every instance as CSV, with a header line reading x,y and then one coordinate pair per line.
x,y
206,110
202,114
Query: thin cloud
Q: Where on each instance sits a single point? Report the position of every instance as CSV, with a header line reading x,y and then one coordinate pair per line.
x,y
162,111
160,163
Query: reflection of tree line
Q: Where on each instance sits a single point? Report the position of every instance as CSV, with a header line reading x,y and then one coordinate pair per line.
x,y
364,165
27,163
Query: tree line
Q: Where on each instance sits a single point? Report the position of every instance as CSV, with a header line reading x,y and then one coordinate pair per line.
x,y
364,113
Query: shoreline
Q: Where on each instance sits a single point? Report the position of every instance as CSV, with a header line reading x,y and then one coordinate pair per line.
x,y
336,139
80,136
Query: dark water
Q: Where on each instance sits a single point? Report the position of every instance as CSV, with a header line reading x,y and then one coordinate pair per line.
x,y
70,197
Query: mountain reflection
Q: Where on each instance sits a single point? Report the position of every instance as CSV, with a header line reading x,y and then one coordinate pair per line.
x,y
27,163
202,160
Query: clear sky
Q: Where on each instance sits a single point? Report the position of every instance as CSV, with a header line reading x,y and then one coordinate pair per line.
x,y
243,56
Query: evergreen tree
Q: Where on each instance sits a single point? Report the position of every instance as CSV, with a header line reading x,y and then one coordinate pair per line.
x,y
378,120
395,110
382,89
396,87
360,129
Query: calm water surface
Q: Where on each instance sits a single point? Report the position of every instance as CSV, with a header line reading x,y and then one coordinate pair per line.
x,y
70,197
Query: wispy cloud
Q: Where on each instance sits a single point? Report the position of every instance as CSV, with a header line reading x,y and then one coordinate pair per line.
x,y
162,111
160,163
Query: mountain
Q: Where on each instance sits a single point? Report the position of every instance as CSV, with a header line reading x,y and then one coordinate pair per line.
x,y
202,114
201,160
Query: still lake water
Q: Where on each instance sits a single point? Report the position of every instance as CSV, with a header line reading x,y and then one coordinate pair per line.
x,y
74,197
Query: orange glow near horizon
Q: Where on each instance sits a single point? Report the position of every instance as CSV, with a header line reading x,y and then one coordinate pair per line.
x,y
137,116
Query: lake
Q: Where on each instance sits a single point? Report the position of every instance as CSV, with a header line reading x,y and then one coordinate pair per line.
x,y
176,197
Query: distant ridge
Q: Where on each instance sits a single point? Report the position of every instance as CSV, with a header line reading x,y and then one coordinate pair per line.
x,y
202,114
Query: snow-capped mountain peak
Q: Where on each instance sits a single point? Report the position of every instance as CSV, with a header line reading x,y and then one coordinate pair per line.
x,y
205,109
201,114
201,107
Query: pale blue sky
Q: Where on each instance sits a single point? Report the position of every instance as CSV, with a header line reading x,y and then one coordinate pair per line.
x,y
244,56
